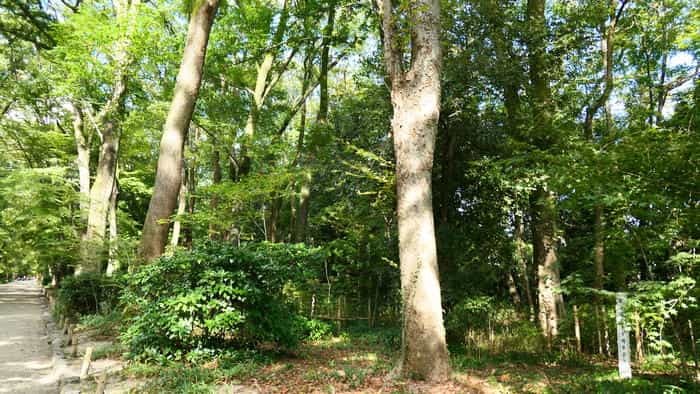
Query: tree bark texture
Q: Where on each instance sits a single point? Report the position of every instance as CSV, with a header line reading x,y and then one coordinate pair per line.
x,y
522,261
113,259
544,252
100,194
83,140
415,97
106,123
543,201
169,172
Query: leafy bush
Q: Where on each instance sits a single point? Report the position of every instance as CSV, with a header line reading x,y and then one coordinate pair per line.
x,y
88,293
215,296
106,325
315,329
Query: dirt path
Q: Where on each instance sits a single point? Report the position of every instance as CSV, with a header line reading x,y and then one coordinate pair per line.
x,y
25,355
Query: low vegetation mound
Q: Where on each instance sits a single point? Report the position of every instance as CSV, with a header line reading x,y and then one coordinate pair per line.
x,y
216,296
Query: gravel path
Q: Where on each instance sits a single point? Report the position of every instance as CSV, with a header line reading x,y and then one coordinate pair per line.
x,y
25,354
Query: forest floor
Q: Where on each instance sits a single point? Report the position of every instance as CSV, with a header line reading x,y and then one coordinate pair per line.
x,y
358,360
25,353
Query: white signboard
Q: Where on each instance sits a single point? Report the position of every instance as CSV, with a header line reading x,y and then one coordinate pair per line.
x,y
623,338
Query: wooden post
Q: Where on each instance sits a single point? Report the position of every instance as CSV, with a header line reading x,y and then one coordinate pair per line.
x,y
577,329
74,349
101,383
70,334
623,338
86,363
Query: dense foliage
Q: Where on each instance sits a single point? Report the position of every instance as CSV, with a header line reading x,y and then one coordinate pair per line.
x,y
217,295
88,294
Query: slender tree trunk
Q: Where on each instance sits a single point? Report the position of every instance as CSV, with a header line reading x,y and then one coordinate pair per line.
x,y
513,289
415,97
263,86
100,194
214,230
607,31
598,328
321,120
303,211
106,122
299,221
522,262
181,205
169,172
599,263
577,329
191,176
113,260
272,231
83,140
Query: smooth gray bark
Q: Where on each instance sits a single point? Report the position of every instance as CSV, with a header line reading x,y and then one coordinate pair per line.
x,y
415,97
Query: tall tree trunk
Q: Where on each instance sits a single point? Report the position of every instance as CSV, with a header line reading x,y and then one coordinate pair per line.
x,y
100,193
83,141
321,120
522,261
264,83
543,201
106,122
545,255
303,211
607,31
273,219
513,289
415,97
113,259
299,218
214,230
169,172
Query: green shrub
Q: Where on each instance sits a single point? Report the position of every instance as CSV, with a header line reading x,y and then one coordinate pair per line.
x,y
106,325
315,329
88,293
215,296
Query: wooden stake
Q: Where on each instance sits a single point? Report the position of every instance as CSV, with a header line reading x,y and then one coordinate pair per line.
x,y
86,363
101,383
74,349
70,335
